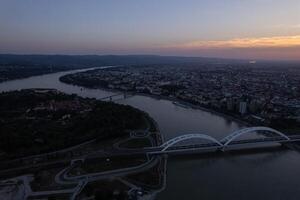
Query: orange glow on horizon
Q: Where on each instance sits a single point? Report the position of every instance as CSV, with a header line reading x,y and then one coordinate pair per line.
x,y
263,42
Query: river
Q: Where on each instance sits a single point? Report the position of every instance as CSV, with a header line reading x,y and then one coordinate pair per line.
x,y
267,175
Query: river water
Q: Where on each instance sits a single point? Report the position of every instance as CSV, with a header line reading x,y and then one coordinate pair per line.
x,y
267,175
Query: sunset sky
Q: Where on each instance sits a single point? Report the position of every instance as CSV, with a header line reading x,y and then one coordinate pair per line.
x,y
252,29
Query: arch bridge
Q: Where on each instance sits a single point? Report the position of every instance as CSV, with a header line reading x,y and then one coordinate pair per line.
x,y
228,141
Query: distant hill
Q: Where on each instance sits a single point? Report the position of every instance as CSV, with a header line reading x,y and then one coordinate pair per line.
x,y
100,60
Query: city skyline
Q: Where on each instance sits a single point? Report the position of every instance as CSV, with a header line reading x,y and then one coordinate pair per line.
x,y
260,29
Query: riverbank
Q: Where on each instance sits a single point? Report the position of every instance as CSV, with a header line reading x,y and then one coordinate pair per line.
x,y
186,171
173,99
188,105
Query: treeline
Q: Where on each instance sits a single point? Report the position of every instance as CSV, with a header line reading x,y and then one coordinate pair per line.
x,y
73,79
25,130
100,60
17,72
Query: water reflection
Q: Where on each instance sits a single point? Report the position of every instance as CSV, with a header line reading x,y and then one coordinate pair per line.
x,y
264,175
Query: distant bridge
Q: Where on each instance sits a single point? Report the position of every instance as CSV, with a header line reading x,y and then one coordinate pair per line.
x,y
118,96
229,142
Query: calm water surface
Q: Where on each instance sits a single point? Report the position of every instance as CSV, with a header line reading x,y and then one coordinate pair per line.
x,y
268,175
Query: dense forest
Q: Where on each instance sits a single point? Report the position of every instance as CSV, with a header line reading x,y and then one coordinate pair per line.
x,y
9,72
36,121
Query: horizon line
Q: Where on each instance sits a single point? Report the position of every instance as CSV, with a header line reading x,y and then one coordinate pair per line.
x,y
153,55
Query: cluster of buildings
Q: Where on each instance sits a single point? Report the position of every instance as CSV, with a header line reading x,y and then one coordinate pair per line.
x,y
256,92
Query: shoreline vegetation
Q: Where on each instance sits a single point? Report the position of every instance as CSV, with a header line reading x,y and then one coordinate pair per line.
x,y
37,121
10,73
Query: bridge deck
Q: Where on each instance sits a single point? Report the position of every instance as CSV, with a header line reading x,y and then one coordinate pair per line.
x,y
213,146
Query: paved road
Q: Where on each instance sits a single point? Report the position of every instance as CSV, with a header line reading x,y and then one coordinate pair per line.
x,y
157,150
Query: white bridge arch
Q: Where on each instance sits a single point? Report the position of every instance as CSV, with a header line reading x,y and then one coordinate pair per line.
x,y
231,137
181,138
225,141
